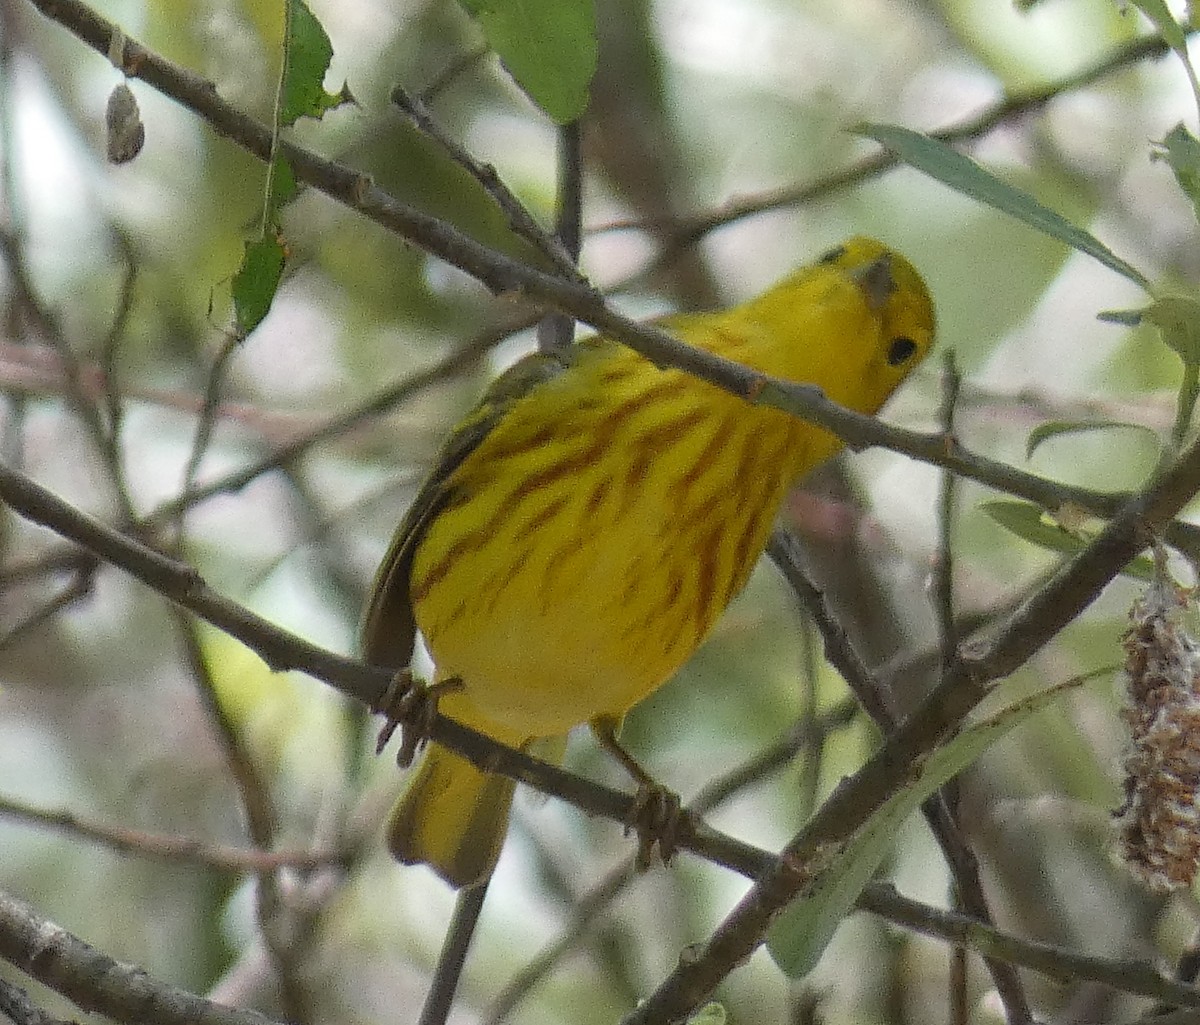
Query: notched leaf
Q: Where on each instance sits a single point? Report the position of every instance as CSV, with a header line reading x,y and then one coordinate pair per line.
x,y
309,52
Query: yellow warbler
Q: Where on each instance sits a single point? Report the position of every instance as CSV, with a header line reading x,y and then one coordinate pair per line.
x,y
586,525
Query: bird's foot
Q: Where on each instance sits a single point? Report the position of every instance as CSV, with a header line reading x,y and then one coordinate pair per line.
x,y
412,706
659,820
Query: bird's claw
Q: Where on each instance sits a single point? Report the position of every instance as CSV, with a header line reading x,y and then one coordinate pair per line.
x,y
659,820
410,705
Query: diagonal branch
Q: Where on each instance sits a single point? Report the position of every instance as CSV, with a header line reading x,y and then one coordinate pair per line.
x,y
506,276
282,650
965,682
95,982
780,878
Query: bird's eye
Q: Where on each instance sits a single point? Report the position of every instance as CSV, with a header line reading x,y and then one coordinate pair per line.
x,y
833,255
900,350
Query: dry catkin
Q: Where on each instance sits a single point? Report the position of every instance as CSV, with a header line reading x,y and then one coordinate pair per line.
x,y
1160,822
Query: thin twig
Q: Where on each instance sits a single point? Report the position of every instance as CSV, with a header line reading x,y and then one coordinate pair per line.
x,y
592,904
519,218
283,650
175,849
877,701
17,1008
453,956
207,419
79,587
442,80
12,221
181,584
1059,602
251,786
255,798
383,401
684,232
968,893
589,907
784,551
498,276
114,408
557,331
63,559
943,567
46,325
1138,977
956,984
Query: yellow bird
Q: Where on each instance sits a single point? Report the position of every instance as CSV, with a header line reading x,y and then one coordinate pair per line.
x,y
586,525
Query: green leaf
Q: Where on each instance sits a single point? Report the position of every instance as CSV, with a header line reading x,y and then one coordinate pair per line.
x,y
1181,150
1185,404
1053,428
548,46
1030,523
307,55
964,175
256,282
1177,318
1129,318
803,931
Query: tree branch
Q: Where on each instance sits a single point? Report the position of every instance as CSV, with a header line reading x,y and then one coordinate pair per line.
x,y
175,849
504,275
95,982
282,650
1138,977
965,682
846,809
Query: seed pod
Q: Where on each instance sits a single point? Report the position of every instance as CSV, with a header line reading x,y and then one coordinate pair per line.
x,y
1160,820
123,122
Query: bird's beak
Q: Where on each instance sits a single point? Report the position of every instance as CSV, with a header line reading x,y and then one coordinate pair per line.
x,y
876,281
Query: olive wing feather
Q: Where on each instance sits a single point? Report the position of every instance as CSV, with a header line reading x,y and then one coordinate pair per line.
x,y
388,628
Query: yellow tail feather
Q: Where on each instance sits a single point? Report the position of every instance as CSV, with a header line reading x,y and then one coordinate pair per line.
x,y
452,817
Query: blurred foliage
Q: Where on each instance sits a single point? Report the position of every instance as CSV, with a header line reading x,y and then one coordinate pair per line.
x,y
694,105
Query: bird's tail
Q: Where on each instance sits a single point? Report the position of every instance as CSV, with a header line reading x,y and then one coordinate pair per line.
x,y
452,817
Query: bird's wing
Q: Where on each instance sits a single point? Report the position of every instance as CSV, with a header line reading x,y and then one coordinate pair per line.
x,y
388,627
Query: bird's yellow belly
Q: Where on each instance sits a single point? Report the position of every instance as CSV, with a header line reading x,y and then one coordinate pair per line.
x,y
564,603
560,644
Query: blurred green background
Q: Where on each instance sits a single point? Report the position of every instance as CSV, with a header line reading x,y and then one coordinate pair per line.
x,y
696,104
